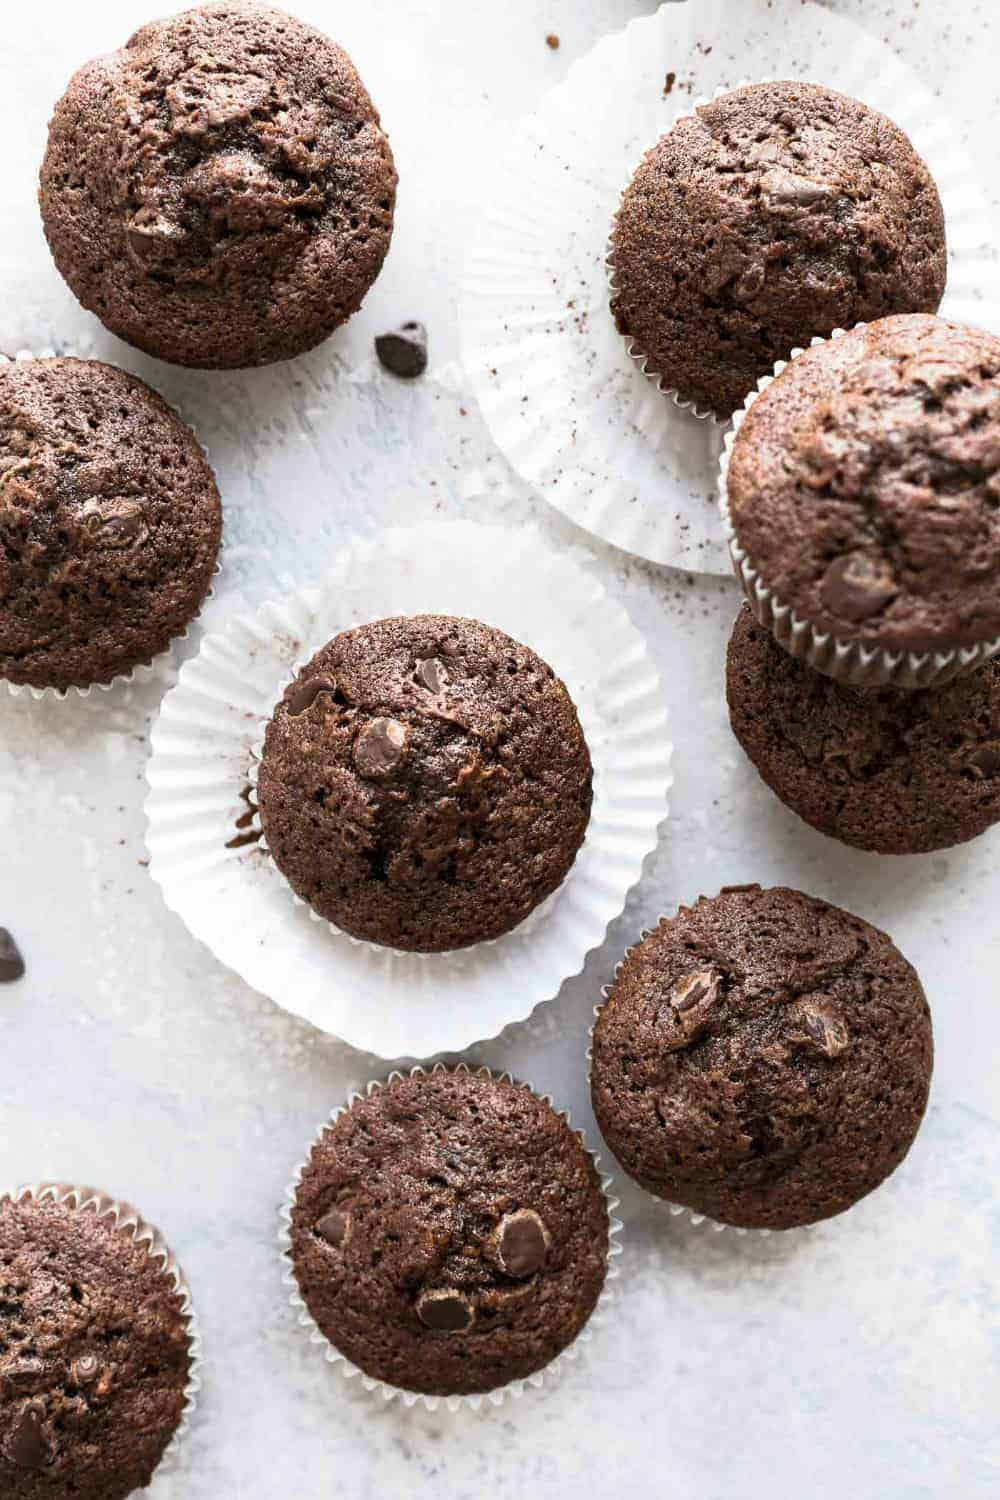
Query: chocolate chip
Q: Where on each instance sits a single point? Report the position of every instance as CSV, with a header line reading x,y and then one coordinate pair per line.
x,y
984,762
856,586
335,1227
783,189
304,694
11,962
750,283
431,675
445,1311
115,523
27,1445
823,1031
693,1002
404,351
522,1243
379,747
85,1370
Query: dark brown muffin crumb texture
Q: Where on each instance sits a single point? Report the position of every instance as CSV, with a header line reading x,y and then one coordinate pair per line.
x,y
219,191
882,769
764,1059
425,782
775,213
110,523
450,1233
94,1356
864,485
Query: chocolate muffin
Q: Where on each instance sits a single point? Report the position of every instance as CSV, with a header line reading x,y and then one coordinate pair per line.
x,y
763,1058
110,523
95,1353
776,212
219,191
449,1233
425,782
884,769
864,490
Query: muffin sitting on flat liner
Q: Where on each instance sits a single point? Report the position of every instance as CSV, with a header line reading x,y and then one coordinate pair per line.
x,y
219,191
863,497
425,782
96,1348
885,769
763,1058
775,213
110,523
449,1233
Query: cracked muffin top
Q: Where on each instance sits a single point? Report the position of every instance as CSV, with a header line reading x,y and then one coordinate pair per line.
x,y
110,523
864,486
450,1233
775,213
763,1058
219,191
885,769
94,1355
425,782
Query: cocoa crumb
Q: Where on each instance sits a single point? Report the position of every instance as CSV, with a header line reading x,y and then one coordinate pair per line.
x,y
552,41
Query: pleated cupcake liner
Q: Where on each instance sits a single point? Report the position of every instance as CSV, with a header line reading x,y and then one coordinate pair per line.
x,y
579,419
675,1210
128,1221
845,661
207,742
514,1389
144,671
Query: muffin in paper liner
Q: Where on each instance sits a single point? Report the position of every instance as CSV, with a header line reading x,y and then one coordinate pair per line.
x,y
142,671
499,1394
845,661
129,1221
231,894
572,412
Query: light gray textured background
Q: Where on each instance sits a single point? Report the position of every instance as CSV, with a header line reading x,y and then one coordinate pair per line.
x,y
859,1359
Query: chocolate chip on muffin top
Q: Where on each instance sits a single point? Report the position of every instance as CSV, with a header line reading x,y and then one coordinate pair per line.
x,y
864,486
425,782
110,523
772,214
219,191
449,1233
763,1058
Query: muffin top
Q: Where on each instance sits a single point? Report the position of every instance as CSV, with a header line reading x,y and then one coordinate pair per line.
x,y
450,1233
864,486
425,782
109,523
219,191
763,1058
776,212
883,769
94,1355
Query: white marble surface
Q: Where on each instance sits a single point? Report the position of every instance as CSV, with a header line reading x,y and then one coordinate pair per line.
x,y
857,1360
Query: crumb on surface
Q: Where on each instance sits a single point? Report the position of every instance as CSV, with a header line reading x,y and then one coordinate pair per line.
x,y
552,41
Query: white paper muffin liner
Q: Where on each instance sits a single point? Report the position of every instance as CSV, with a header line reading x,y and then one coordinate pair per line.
x,y
845,661
131,1223
675,1210
142,671
387,1002
572,412
500,1394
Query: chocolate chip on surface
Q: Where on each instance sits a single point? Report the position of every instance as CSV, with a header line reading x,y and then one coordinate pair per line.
x,y
445,1311
856,587
85,1370
27,1445
11,962
335,1227
985,762
693,1002
522,1242
431,675
404,351
304,694
380,747
822,1031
